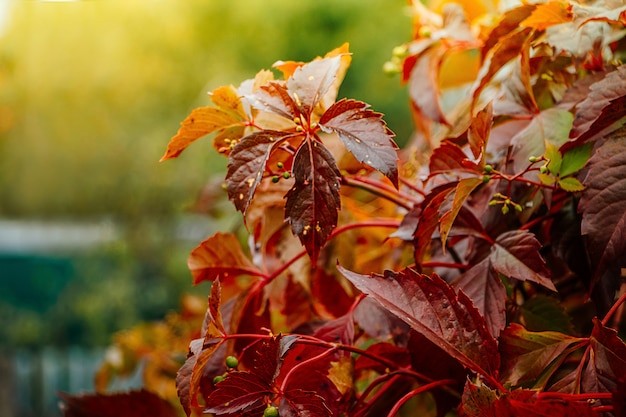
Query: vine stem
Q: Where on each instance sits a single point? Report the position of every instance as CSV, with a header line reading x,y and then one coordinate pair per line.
x,y
376,190
614,308
386,187
418,391
412,186
303,363
385,223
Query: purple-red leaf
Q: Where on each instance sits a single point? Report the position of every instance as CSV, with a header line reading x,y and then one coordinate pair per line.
x,y
274,98
603,208
128,404
604,106
483,286
219,256
516,255
313,202
365,134
247,165
430,306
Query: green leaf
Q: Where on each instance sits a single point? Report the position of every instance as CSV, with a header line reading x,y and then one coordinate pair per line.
x,y
554,157
527,356
571,184
575,159
543,313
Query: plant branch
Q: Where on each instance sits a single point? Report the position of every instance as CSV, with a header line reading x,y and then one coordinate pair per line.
x,y
394,198
418,391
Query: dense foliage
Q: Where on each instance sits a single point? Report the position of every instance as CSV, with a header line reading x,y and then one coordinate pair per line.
x,y
476,272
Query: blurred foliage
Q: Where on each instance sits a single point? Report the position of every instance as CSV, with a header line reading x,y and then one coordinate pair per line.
x,y
90,94
91,90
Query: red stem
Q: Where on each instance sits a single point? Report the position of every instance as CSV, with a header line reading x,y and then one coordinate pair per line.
x,y
418,391
412,186
395,198
613,309
445,265
385,187
574,397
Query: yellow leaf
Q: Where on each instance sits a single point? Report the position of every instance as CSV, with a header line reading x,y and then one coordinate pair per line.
x,y
548,14
340,374
571,184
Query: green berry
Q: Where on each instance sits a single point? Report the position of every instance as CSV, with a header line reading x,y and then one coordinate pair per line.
x,y
533,159
286,175
505,209
218,379
486,178
232,362
400,51
488,169
280,165
299,128
275,179
543,169
270,411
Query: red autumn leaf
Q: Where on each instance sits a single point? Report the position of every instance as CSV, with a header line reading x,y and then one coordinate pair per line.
x,y
482,284
608,363
424,85
300,403
219,256
365,135
603,208
377,321
214,315
247,163
516,255
239,392
604,108
431,307
479,130
128,404
481,401
309,83
330,299
183,383
313,202
393,353
528,356
429,220
446,158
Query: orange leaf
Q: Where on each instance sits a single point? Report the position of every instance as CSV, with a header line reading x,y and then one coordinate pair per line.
x,y
548,14
219,256
200,122
463,189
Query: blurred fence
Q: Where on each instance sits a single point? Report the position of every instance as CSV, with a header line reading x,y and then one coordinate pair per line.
x,y
30,380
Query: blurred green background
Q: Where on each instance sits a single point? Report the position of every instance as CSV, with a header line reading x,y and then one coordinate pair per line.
x,y
94,232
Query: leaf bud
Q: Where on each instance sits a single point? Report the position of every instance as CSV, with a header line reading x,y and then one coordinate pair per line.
x,y
270,411
488,169
505,209
275,179
400,51
232,362
533,159
218,379
390,68
493,203
425,31
543,169
286,175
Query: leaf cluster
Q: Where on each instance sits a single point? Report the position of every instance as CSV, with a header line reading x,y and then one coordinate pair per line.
x,y
475,272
